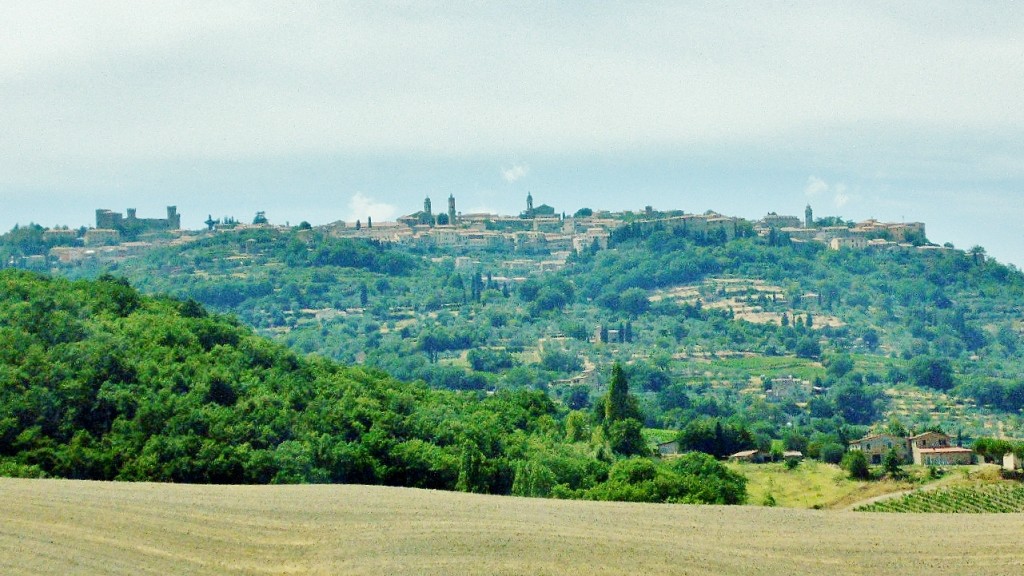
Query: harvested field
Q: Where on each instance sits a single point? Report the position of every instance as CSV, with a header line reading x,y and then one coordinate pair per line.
x,y
65,527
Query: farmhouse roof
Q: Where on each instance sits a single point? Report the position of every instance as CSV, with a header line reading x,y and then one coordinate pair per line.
x,y
929,433
947,450
744,454
870,437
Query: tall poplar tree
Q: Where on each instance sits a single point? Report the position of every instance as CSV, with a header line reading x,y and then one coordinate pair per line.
x,y
619,404
622,420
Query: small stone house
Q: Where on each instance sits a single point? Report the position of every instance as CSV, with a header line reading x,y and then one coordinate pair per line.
x,y
945,456
934,449
927,449
1012,462
788,389
876,446
668,448
754,456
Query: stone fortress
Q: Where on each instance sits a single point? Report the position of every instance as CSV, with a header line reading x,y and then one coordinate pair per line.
x,y
112,226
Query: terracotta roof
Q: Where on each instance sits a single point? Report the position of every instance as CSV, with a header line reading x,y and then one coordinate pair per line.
x,y
876,436
945,450
929,433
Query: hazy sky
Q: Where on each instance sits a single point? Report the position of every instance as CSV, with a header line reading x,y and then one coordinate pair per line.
x,y
898,111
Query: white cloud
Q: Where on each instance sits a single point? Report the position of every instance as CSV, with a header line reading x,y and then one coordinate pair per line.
x,y
815,186
515,172
237,79
94,94
360,206
842,197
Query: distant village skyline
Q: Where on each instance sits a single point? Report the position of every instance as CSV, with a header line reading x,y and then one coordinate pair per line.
x,y
341,111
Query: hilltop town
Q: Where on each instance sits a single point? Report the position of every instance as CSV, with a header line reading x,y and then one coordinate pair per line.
x,y
536,231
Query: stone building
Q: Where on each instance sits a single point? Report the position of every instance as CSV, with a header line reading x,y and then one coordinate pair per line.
x,y
934,449
876,446
773,220
132,225
926,449
102,237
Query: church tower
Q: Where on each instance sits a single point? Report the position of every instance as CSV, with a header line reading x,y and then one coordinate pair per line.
x,y
529,204
451,209
426,206
808,217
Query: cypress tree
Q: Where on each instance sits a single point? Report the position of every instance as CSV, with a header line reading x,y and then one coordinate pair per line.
x,y
619,404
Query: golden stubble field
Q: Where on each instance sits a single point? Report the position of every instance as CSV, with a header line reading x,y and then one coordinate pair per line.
x,y
70,527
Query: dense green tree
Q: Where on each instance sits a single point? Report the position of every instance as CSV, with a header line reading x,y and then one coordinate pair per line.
x,y
634,301
856,402
832,453
712,436
808,347
892,464
692,478
619,404
856,464
931,372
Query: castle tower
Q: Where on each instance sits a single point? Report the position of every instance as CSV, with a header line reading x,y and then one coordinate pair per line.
x,y
451,209
173,218
808,217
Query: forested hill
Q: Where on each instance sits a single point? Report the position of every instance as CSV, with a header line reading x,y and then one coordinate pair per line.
x,y
99,382
793,340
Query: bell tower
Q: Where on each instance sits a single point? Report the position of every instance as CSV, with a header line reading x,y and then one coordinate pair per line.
x,y
451,209
808,217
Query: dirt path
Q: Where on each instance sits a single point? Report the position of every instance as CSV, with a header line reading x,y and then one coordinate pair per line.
x,y
949,479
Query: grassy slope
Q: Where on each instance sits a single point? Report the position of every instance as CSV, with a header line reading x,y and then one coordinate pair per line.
x,y
810,484
58,527
827,486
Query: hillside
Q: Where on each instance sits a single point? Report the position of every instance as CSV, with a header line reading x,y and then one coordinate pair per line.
x,y
704,326
61,527
99,382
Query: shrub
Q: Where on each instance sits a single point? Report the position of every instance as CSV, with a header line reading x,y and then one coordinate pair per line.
x,y
856,463
832,453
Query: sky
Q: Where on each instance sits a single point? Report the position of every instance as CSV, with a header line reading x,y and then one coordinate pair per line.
x,y
907,111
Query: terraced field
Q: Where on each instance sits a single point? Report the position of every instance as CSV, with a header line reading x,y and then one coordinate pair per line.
x,y
1001,497
69,527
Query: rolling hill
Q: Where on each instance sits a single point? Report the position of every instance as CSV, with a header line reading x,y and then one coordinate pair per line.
x,y
63,527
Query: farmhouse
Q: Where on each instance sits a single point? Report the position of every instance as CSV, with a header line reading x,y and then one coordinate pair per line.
x,y
933,448
876,446
788,389
668,448
926,449
945,456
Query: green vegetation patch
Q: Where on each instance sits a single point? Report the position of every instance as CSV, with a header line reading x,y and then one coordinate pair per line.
x,y
1004,497
99,382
